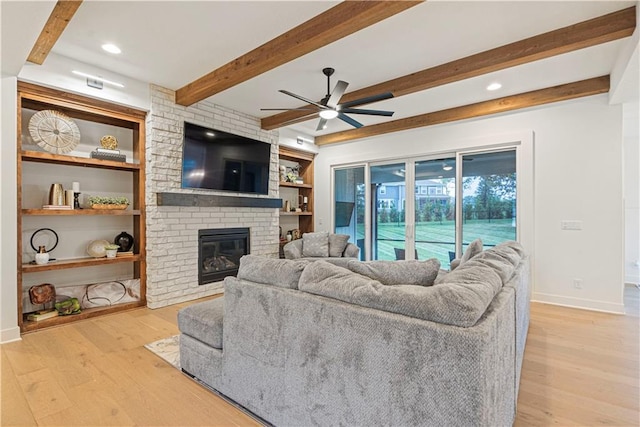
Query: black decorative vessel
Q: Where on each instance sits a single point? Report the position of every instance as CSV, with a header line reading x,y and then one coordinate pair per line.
x,y
124,240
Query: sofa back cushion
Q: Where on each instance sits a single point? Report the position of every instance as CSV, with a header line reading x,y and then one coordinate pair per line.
x,y
458,304
315,244
337,244
284,273
392,273
503,259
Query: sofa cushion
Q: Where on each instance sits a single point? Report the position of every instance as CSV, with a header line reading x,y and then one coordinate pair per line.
x,y
458,304
315,244
203,321
337,244
473,249
412,272
284,273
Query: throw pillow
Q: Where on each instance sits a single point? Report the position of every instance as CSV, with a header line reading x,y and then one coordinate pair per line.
x,y
284,273
413,272
474,249
315,244
337,243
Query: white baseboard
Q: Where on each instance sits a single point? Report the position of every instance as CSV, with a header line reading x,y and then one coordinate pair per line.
x,y
585,304
9,335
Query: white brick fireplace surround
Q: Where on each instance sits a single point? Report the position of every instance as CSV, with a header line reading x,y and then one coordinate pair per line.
x,y
172,231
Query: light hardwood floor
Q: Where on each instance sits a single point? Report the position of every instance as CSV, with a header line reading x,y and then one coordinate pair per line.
x,y
581,368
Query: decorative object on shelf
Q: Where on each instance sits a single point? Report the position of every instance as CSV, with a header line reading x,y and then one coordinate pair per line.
x,y
68,198
43,234
106,155
42,294
124,254
97,249
305,204
54,131
124,240
109,142
100,202
289,236
68,306
56,195
283,173
287,206
295,234
42,256
76,195
111,250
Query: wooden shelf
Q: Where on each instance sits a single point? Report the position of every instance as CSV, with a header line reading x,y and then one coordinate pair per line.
x,y
296,213
31,325
60,159
41,212
293,185
77,262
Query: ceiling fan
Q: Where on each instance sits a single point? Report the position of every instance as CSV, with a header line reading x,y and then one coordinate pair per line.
x,y
329,107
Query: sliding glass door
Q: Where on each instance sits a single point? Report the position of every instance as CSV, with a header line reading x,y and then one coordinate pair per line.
x,y
430,208
349,206
388,199
435,202
489,197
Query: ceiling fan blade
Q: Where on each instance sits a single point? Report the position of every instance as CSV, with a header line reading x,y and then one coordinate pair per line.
x,y
347,119
322,124
367,100
302,98
369,112
288,109
337,93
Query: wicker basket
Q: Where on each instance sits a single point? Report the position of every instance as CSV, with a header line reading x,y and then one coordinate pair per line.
x,y
110,206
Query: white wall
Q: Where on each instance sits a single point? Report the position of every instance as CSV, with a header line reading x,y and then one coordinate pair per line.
x,y
577,176
9,330
632,192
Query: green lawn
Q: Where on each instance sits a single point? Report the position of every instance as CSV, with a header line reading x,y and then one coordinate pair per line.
x,y
430,234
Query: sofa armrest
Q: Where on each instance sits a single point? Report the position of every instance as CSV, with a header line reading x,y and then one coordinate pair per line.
x,y
293,249
351,251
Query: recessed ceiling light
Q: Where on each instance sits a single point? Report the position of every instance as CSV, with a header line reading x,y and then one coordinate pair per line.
x,y
210,134
494,86
111,48
100,79
328,114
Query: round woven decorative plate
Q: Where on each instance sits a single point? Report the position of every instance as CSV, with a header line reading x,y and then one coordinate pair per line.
x,y
96,248
54,131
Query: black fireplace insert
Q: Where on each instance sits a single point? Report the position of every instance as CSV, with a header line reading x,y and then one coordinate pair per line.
x,y
219,252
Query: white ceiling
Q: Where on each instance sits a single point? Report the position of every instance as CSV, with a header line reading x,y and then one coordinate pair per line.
x,y
172,43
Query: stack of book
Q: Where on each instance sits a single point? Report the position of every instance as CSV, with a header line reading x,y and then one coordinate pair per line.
x,y
107,154
42,315
57,207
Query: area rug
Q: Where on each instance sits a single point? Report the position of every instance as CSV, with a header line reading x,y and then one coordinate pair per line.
x,y
167,349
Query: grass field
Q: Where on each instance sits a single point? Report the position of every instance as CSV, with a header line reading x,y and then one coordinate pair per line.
x,y
435,240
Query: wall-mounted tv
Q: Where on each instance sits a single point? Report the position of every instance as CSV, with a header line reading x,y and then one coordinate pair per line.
x,y
217,160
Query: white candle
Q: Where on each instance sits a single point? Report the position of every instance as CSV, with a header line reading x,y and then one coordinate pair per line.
x,y
304,200
76,187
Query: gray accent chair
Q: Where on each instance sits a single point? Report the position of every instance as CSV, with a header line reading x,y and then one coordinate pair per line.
x,y
338,246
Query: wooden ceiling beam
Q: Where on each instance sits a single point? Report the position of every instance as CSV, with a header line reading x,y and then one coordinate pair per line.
x,y
563,92
340,21
595,31
60,16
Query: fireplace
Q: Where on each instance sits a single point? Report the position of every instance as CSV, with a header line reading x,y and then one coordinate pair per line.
x,y
219,252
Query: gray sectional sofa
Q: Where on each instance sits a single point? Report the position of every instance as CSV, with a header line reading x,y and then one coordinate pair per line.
x,y
303,343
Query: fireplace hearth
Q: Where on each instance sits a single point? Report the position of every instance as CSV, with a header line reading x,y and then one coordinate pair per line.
x,y
219,252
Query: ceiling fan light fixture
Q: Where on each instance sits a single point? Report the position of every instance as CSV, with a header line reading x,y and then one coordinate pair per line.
x,y
328,114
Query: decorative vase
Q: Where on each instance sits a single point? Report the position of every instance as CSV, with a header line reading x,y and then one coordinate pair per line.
x,y
124,240
111,253
56,195
42,256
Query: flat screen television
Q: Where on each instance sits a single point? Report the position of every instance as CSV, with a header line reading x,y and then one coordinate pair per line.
x,y
217,160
